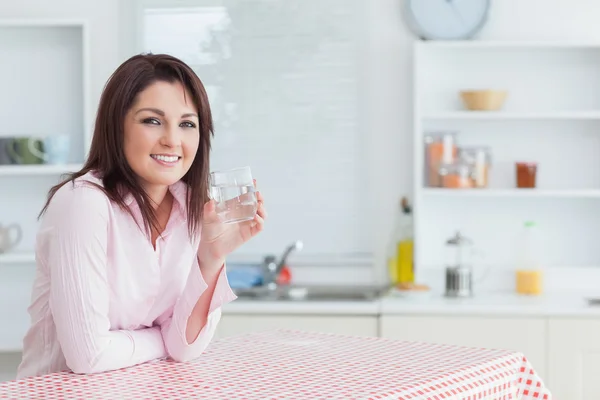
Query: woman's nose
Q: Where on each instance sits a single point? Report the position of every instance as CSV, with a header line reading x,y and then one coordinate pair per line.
x,y
170,137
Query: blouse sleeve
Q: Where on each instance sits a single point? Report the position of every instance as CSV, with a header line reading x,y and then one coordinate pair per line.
x,y
174,322
79,290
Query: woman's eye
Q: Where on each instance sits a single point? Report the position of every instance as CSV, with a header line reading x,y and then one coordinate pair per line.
x,y
152,121
188,124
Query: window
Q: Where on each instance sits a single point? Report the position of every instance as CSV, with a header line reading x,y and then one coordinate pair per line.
x,y
283,81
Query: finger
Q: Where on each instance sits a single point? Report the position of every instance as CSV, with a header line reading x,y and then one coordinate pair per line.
x,y
259,197
257,224
210,212
254,182
262,211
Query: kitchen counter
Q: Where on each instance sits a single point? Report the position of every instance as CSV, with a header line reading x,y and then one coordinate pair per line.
x,y
13,308
490,304
430,303
242,306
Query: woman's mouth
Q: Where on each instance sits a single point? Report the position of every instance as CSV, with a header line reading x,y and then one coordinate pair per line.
x,y
163,159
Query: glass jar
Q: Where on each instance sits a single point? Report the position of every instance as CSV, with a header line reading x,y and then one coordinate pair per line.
x,y
526,174
480,160
440,148
458,175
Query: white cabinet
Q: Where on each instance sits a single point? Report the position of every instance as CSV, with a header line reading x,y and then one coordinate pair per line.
x,y
549,112
234,324
526,335
574,358
8,366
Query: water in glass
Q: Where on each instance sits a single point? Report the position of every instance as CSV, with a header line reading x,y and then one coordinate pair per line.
x,y
234,194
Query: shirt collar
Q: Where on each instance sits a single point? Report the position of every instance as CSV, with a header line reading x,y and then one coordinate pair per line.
x,y
179,192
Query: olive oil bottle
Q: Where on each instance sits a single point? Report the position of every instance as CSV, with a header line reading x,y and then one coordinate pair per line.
x,y
400,252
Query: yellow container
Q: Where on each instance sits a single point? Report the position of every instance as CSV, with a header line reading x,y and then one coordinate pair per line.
x,y
529,282
405,266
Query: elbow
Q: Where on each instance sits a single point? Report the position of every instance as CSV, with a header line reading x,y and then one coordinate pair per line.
x,y
186,353
85,364
84,367
182,351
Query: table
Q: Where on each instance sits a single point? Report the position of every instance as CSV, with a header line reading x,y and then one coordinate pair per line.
x,y
285,364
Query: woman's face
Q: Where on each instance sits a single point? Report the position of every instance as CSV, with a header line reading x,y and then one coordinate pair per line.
x,y
161,135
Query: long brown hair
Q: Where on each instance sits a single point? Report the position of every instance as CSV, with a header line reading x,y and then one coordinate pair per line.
x,y
106,155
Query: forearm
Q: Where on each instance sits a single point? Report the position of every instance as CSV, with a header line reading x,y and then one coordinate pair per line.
x,y
190,326
113,350
199,314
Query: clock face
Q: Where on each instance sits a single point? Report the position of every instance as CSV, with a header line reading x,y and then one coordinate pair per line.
x,y
447,19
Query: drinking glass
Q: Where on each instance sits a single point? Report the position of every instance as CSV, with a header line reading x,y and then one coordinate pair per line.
x,y
234,194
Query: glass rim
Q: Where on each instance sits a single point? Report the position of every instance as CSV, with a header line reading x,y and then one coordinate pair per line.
x,y
225,171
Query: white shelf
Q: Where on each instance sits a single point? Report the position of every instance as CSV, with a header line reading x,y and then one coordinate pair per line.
x,y
508,44
551,117
499,115
41,169
17,258
565,193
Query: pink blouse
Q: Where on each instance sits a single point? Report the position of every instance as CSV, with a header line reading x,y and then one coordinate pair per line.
x,y
103,298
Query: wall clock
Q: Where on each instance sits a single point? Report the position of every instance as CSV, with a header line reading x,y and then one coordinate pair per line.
x,y
446,19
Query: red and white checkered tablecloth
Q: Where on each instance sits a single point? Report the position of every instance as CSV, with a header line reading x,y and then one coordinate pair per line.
x,y
296,365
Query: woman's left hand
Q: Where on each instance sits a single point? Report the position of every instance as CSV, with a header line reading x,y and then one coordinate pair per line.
x,y
217,239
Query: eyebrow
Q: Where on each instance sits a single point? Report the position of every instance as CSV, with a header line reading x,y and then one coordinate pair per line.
x,y
162,113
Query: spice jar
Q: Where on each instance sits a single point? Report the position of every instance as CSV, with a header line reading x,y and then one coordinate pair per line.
x,y
440,148
458,175
480,160
526,174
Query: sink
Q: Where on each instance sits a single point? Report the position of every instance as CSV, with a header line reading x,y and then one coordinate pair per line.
x,y
312,293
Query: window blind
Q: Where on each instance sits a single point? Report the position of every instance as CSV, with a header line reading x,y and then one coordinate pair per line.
x,y
283,82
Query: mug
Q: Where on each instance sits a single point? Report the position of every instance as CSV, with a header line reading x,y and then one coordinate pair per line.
x,y
55,149
19,150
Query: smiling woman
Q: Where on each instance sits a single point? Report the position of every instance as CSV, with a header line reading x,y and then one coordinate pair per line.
x,y
160,142
130,251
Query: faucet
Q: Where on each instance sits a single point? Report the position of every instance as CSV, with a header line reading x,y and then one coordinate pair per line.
x,y
272,268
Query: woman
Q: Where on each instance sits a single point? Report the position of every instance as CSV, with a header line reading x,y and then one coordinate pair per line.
x,y
130,253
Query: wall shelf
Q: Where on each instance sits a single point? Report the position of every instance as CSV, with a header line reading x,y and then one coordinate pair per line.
x,y
17,258
509,44
518,193
507,115
34,170
551,116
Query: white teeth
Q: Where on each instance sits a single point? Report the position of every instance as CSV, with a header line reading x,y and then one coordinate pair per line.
x,y
170,159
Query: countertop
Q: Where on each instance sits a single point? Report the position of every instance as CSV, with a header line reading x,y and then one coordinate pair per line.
x,y
298,307
16,320
431,303
565,304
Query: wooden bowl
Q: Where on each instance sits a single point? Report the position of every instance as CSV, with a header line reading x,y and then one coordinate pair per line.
x,y
483,100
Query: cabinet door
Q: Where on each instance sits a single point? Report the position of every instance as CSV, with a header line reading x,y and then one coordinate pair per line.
x,y
526,335
8,366
234,324
574,358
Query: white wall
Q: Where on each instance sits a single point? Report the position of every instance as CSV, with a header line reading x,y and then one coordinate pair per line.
x,y
103,18
388,80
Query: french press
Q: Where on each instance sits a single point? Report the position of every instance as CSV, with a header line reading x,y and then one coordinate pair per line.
x,y
459,266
